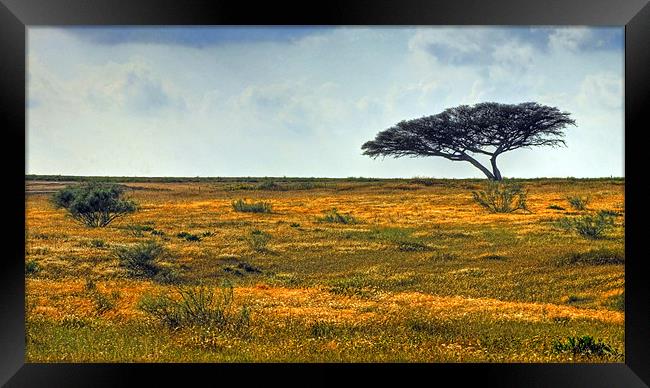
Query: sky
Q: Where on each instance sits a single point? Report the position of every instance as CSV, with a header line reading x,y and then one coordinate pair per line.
x,y
300,101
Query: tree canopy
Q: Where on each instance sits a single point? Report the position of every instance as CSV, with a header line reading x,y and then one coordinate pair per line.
x,y
464,131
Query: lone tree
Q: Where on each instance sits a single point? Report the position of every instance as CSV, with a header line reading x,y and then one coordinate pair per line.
x,y
462,132
94,204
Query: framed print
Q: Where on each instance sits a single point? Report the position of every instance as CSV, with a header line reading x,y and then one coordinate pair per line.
x,y
387,189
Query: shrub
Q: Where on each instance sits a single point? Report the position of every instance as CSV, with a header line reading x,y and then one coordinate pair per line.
x,y
94,204
502,197
98,243
189,236
141,260
294,225
617,302
583,346
254,207
334,216
258,240
589,225
31,267
555,207
197,306
600,256
137,230
577,202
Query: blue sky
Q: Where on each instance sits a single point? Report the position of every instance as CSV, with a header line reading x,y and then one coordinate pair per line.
x,y
300,101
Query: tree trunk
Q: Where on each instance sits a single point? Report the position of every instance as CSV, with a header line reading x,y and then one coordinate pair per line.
x,y
495,170
478,165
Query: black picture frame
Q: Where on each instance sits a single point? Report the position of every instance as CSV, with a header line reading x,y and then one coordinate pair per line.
x,y
17,15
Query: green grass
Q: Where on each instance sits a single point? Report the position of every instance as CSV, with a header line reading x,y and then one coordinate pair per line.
x,y
418,337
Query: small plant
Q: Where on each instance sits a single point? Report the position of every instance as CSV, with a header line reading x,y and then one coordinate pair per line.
x,y
555,207
584,346
188,236
156,232
334,216
600,256
258,240
321,329
617,302
94,204
502,197
294,225
577,202
141,260
31,267
98,243
412,246
197,306
138,230
101,301
589,225
254,207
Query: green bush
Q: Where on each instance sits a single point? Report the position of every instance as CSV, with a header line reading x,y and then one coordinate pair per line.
x,y
258,240
188,236
94,204
334,216
197,306
31,267
600,256
254,207
584,346
589,225
502,197
141,260
577,202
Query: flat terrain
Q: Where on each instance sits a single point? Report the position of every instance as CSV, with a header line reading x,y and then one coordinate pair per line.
x,y
424,274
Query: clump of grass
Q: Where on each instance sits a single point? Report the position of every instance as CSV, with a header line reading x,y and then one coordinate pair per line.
x,y
412,246
444,256
578,202
334,216
585,346
493,257
31,267
201,306
616,302
143,261
156,232
253,207
591,226
600,256
294,225
102,302
188,236
242,268
502,197
322,329
258,240
555,207
98,243
138,230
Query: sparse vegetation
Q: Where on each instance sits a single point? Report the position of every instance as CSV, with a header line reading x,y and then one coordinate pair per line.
x,y
258,240
585,346
578,202
254,207
502,197
423,276
94,204
189,236
141,260
31,267
591,226
555,207
334,216
197,306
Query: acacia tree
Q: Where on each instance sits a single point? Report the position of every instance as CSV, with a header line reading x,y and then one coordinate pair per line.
x,y
465,131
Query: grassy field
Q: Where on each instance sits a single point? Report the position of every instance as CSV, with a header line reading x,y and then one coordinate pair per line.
x,y
404,270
